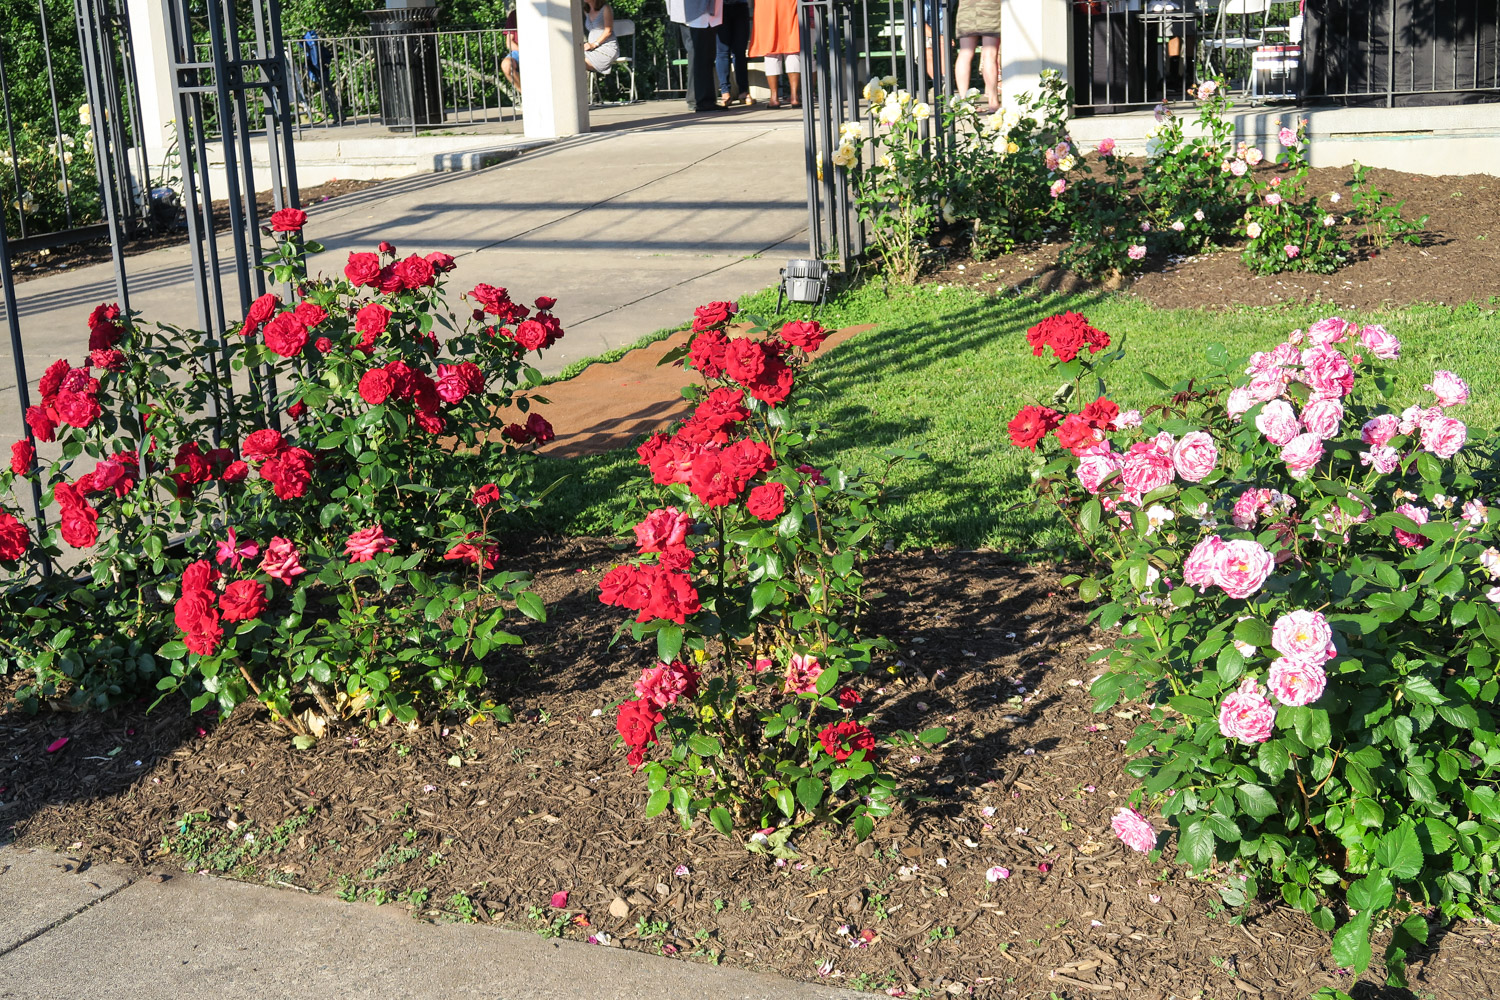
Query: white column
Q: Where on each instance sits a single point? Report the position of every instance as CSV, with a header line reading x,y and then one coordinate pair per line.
x,y
1034,36
554,83
150,36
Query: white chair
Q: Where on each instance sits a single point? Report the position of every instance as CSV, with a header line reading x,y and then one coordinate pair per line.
x,y
1246,39
624,27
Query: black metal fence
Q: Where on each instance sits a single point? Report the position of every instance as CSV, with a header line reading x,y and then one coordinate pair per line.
x,y
71,121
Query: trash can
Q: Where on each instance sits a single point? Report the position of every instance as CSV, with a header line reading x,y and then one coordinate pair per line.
x,y
406,63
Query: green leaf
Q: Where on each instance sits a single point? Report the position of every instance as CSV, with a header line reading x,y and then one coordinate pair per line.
x,y
1254,632
173,650
531,606
1255,801
1273,758
1193,708
761,596
1351,944
1401,852
1088,517
705,746
1373,892
1195,846
810,793
786,802
1312,727
933,736
720,818
1419,688
863,827
668,643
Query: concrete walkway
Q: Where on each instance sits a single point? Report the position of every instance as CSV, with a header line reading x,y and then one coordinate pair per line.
x,y
628,229
113,931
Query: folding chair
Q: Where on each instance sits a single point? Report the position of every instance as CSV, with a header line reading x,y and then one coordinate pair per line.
x,y
624,28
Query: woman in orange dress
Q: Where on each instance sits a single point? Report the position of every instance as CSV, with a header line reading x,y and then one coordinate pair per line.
x,y
774,38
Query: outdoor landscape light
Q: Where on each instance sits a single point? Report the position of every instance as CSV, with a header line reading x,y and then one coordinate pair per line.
x,y
804,281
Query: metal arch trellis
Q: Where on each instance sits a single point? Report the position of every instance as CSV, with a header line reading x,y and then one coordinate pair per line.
x,y
225,93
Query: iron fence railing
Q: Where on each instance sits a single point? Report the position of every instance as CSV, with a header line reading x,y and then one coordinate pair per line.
x,y
65,171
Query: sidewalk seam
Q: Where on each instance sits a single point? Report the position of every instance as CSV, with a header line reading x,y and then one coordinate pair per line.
x,y
65,918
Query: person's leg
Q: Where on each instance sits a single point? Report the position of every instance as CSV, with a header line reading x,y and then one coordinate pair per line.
x,y
963,66
512,71
773,80
740,42
989,68
723,49
689,78
794,77
701,63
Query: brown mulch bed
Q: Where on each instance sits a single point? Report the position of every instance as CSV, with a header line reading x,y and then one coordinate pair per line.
x,y
506,816
36,264
1457,262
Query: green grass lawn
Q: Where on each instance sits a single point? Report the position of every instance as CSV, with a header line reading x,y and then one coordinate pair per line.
x,y
946,369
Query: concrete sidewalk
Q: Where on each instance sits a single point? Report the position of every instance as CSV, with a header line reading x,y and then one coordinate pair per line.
x,y
113,931
628,229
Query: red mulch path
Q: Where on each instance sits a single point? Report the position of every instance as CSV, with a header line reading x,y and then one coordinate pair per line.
x,y
506,816
1457,262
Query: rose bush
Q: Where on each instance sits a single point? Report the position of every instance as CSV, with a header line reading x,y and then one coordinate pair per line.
x,y
1302,571
320,537
749,580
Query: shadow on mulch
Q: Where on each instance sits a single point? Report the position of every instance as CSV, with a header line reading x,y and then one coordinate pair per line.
x,y
1456,262
491,821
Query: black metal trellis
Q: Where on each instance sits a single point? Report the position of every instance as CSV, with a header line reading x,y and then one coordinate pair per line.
x,y
223,86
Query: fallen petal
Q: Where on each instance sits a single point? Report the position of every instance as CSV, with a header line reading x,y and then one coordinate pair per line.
x,y
559,900
57,744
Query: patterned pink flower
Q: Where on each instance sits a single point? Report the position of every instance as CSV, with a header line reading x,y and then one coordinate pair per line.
x,y
1297,682
1331,330
1327,373
282,561
802,674
1475,513
1278,422
1379,430
1322,417
1094,467
365,544
1247,508
1106,147
1383,458
1240,400
1449,389
1198,567
1246,715
1407,538
1304,636
1134,830
1443,437
1378,342
1146,468
1301,453
1136,252
1194,456
1241,567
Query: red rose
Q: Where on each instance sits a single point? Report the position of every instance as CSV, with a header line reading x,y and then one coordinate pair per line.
x,y
675,557
191,608
487,494
80,526
386,247
847,697
109,474
807,335
199,575
841,741
362,269
767,501
441,262
1031,425
673,596
323,345
1101,413
416,272
261,310
289,473
43,423
288,220
745,360
204,640
105,327
296,410
262,444
235,472
77,408
1066,333
375,386
452,383
424,392
490,298
310,314
14,538
1076,434
516,433
531,335
286,335
720,410
626,587
713,316
243,600
52,379
371,321
774,384
539,429
22,454
430,423
108,359
637,724
707,353
544,302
